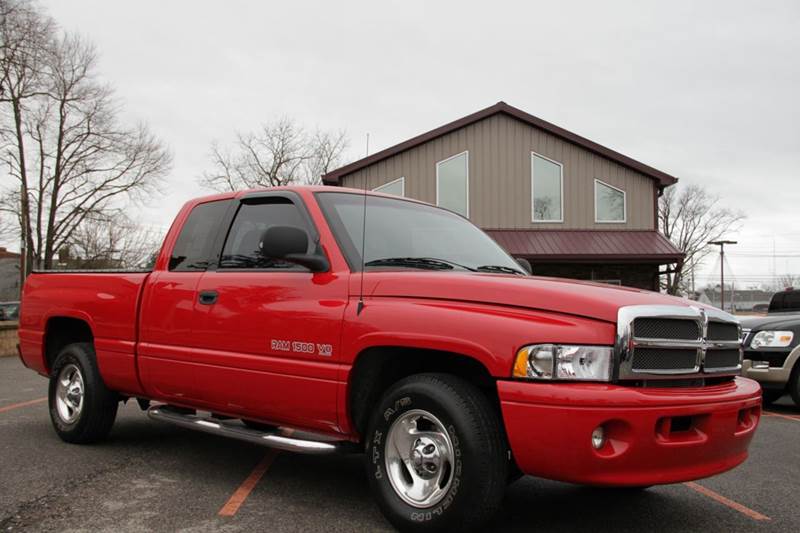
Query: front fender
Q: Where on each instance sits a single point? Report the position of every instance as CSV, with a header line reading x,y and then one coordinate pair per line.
x,y
490,334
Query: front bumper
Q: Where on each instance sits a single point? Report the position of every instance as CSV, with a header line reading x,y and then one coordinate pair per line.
x,y
774,376
654,435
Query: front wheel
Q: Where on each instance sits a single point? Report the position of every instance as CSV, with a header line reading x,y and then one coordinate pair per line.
x,y
436,455
794,384
82,408
770,396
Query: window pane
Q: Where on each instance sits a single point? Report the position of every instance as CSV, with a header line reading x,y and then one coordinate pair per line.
x,y
393,187
193,249
452,176
610,203
243,245
546,189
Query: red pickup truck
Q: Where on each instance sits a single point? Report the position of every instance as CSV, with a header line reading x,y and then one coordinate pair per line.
x,y
326,320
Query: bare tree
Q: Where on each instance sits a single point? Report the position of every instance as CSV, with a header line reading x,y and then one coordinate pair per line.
x,y
111,240
690,217
25,36
327,153
65,148
280,153
786,281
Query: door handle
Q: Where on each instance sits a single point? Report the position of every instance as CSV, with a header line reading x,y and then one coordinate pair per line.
x,y
208,297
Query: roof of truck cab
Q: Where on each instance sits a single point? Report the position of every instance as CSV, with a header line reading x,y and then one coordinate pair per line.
x,y
310,188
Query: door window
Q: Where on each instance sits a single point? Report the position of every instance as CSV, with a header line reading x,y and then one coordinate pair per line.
x,y
243,247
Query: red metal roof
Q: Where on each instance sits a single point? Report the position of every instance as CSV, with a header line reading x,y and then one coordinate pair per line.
x,y
663,179
588,246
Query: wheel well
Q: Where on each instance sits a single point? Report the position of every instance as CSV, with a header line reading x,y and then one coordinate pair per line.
x,y
376,369
62,331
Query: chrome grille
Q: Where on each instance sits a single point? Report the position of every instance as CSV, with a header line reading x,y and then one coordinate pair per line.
x,y
717,360
663,342
660,359
723,331
657,328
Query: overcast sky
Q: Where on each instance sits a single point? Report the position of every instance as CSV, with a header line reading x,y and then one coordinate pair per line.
x,y
706,91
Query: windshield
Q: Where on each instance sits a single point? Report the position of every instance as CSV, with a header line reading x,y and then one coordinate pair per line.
x,y
400,233
787,301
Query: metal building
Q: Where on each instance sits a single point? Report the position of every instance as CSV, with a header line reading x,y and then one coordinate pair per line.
x,y
570,206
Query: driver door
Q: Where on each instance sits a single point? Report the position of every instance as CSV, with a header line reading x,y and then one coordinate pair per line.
x,y
269,331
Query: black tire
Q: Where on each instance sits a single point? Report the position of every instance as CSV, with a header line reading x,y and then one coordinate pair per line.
x,y
98,407
479,470
794,384
770,396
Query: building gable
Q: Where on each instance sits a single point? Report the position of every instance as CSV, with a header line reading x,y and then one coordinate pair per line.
x,y
664,179
500,148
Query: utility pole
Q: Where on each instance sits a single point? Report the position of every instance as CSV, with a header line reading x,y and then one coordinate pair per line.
x,y
721,245
23,265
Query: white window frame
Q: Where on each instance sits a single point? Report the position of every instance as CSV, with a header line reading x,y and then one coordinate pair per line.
x,y
437,178
401,179
624,204
561,195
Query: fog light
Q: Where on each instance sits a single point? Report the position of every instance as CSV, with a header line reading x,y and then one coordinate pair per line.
x,y
760,365
598,437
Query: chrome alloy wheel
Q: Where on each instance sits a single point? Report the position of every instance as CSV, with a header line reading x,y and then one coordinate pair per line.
x,y
419,458
69,394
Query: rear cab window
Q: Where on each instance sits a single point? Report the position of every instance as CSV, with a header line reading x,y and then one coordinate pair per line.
x,y
196,248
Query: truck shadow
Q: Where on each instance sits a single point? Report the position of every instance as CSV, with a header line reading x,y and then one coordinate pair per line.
x,y
551,506
328,489
784,405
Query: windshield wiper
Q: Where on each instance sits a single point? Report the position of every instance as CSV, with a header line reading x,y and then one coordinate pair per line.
x,y
428,263
499,268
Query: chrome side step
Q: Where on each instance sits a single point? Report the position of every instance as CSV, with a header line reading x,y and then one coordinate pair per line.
x,y
264,438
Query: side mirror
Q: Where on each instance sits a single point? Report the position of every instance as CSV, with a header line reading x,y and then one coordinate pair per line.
x,y
525,264
289,243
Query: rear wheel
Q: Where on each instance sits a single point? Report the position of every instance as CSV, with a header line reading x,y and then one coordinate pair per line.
x,y
436,455
82,408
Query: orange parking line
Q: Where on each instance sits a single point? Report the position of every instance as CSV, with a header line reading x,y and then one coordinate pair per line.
x,y
755,515
21,404
781,415
796,418
237,499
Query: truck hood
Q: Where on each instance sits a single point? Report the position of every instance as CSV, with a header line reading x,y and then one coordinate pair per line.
x,y
773,321
585,299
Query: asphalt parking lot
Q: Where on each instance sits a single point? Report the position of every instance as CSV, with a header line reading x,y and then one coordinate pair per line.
x,y
149,476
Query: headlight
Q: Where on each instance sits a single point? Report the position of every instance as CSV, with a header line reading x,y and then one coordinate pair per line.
x,y
771,339
558,361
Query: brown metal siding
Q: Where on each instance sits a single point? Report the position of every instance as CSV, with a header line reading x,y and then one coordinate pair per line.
x,y
499,176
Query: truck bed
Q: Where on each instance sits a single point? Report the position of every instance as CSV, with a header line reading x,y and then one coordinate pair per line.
x,y
106,300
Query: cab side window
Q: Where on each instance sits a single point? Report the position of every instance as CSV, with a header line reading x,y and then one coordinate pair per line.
x,y
242,248
194,248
